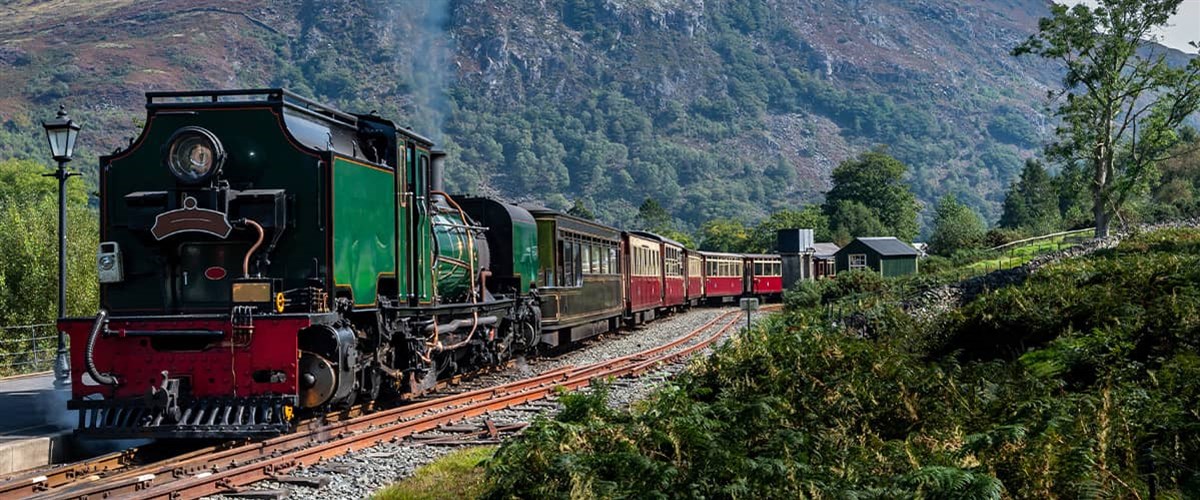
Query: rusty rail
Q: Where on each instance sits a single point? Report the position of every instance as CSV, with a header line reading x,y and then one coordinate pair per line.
x,y
224,467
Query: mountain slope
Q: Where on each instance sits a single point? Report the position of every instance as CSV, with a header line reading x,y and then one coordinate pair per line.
x,y
719,108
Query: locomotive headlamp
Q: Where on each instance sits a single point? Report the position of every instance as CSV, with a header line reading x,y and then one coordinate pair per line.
x,y
194,155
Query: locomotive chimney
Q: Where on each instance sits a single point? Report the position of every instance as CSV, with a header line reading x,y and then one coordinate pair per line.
x,y
437,171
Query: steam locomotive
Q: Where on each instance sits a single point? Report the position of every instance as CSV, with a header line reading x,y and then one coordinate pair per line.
x,y
263,256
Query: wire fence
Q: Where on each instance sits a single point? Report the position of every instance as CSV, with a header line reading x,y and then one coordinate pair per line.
x,y
860,314
27,348
1016,256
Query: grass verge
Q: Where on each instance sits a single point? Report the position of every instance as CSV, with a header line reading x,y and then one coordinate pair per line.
x,y
457,475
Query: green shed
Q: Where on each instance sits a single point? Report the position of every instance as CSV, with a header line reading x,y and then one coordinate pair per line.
x,y
886,255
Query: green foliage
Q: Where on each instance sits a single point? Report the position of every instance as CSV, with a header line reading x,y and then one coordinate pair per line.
x,y
580,210
763,237
683,238
874,181
1123,100
849,219
652,216
1000,236
1081,382
1031,203
955,227
1010,125
1176,194
724,235
29,242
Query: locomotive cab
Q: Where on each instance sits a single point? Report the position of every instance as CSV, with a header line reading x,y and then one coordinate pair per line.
x,y
263,255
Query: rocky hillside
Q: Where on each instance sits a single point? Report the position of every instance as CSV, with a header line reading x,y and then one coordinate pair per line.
x,y
716,108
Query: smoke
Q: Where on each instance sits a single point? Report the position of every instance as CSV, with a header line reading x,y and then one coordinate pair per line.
x,y
52,404
426,57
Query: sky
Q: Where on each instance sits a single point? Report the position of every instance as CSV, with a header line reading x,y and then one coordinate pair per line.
x,y
1184,28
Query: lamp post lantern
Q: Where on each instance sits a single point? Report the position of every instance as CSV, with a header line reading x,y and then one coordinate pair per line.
x,y
61,133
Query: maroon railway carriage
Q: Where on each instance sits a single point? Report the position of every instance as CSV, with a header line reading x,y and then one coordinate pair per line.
x,y
693,272
644,281
724,279
764,275
674,285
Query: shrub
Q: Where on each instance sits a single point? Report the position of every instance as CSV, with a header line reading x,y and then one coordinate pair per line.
x,y
1081,382
1000,236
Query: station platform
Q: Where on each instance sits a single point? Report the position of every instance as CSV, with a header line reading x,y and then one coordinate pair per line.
x,y
35,425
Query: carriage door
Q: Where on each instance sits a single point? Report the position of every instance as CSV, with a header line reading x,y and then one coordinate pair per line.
x,y
748,276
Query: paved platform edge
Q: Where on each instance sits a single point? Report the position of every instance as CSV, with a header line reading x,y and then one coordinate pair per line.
x,y
27,375
24,453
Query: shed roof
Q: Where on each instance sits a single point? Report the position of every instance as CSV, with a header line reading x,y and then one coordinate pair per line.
x,y
889,246
824,250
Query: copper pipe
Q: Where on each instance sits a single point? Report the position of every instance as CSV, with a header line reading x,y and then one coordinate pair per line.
x,y
246,260
474,326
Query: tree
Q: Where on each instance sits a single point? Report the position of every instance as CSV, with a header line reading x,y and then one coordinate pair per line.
x,y
724,235
955,227
580,210
29,242
1178,190
762,238
875,181
1122,101
652,216
681,237
850,219
1031,202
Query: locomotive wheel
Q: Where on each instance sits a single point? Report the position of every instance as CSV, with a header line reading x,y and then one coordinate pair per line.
x,y
318,380
526,336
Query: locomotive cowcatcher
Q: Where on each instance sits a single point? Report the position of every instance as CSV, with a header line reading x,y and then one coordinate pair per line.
x,y
263,255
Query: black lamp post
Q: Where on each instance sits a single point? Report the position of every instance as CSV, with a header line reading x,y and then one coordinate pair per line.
x,y
61,132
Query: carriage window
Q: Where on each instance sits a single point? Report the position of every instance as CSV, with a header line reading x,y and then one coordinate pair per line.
x,y
613,267
578,264
568,259
553,275
585,255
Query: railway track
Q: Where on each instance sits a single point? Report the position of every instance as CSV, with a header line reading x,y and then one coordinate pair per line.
x,y
224,467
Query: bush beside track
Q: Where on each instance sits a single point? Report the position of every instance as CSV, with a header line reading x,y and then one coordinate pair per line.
x,y
1079,380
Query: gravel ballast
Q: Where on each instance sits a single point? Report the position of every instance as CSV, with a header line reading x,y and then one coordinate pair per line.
x,y
361,474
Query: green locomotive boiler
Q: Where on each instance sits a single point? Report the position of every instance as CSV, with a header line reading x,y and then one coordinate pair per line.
x,y
263,254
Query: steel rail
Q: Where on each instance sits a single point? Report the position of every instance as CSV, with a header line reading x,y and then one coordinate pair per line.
x,y
184,476
171,470
112,466
210,484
